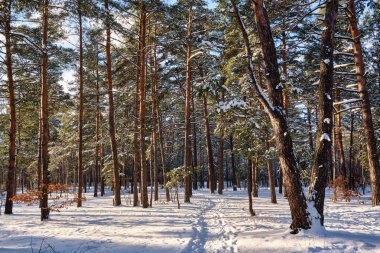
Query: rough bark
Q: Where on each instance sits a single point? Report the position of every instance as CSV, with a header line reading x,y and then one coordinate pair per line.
x,y
372,156
323,156
111,113
12,109
274,108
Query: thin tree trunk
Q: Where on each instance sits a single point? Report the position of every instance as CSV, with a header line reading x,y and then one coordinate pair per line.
x,y
372,156
101,157
151,173
323,155
44,114
98,126
234,181
162,151
309,128
249,187
351,154
39,165
187,145
80,120
143,178
12,109
111,114
220,164
136,154
210,157
154,115
221,153
342,159
195,153
270,173
254,179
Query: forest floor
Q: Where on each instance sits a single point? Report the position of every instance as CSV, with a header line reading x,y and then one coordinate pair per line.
x,y
210,223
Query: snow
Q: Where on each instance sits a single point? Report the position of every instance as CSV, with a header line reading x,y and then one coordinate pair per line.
x,y
210,223
325,136
234,103
327,120
326,61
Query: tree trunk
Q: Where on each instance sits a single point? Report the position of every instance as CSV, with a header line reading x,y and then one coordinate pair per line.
x,y
373,159
80,120
309,128
351,154
162,151
98,126
210,156
249,187
342,159
111,114
323,156
270,173
187,148
12,108
234,181
254,179
220,165
195,153
274,107
154,116
136,154
101,157
44,114
144,177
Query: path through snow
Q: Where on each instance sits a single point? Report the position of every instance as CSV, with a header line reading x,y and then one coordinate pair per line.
x,y
210,223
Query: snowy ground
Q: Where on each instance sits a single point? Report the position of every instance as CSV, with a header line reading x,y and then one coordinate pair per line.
x,y
211,223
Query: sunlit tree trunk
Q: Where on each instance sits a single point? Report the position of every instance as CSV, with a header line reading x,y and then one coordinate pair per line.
x,y
372,156
44,113
12,108
273,105
80,120
111,114
187,146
